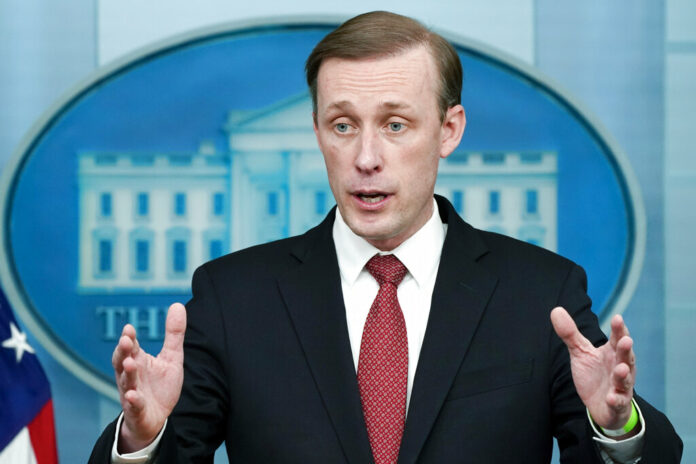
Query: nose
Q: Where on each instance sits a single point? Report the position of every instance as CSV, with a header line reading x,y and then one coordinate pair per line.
x,y
369,158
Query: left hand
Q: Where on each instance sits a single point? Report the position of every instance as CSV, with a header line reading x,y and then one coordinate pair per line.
x,y
604,376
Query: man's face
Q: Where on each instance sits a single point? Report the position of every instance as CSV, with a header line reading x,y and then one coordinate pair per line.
x,y
379,128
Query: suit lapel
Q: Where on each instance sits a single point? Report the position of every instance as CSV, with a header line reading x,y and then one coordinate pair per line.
x,y
312,294
462,290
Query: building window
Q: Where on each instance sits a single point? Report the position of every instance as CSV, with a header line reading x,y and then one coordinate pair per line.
x,y
105,160
215,249
494,202
142,256
531,158
179,256
458,157
177,246
532,202
105,256
214,242
320,202
493,158
272,203
458,201
105,207
180,204
142,204
104,252
141,240
218,204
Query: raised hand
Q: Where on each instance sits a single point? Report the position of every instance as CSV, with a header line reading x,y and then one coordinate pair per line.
x,y
148,386
604,376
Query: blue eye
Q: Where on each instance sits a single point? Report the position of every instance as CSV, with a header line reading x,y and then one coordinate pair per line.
x,y
342,127
395,126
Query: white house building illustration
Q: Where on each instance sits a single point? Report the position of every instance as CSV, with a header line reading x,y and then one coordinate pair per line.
x,y
147,219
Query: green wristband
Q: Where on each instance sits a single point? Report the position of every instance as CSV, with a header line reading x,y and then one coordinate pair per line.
x,y
630,425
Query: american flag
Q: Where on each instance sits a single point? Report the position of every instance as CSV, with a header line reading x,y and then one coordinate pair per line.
x,y
27,433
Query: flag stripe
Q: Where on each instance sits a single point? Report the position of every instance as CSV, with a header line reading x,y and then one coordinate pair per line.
x,y
18,450
43,438
27,433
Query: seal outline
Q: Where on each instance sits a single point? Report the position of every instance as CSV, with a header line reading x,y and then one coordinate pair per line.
x,y
20,301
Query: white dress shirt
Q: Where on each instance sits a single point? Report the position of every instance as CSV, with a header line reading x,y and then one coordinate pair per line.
x,y
421,256
420,253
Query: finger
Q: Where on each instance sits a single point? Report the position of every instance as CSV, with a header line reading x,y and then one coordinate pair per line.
x,y
625,356
622,379
136,347
128,331
566,329
619,402
135,401
175,329
618,330
624,352
129,377
122,351
124,345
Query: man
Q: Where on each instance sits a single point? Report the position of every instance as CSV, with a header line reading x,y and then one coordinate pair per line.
x,y
450,334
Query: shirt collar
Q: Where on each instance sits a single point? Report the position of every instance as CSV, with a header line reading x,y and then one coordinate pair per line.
x,y
420,253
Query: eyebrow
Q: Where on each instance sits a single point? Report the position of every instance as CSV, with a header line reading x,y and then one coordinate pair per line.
x,y
345,104
339,105
395,105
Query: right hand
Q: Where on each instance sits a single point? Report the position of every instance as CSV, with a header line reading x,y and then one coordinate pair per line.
x,y
149,387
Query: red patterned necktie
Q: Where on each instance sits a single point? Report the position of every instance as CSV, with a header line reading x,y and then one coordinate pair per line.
x,y
383,364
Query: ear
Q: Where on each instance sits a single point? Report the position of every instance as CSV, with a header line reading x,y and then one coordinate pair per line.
x,y
452,130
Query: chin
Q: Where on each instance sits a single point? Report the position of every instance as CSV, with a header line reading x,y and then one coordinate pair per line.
x,y
373,233
367,232
370,226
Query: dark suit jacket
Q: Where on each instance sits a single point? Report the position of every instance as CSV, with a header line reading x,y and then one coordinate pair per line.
x,y
269,370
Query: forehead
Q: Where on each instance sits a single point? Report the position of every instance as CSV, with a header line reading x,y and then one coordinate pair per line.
x,y
410,75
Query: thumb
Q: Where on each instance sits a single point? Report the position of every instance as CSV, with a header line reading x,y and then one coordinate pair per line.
x,y
565,328
175,329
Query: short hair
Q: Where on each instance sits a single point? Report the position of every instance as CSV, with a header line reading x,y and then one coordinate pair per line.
x,y
381,33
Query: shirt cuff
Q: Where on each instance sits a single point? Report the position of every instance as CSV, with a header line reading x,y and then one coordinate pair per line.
x,y
142,456
625,451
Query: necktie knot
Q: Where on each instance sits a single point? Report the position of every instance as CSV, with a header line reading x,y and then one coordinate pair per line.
x,y
386,268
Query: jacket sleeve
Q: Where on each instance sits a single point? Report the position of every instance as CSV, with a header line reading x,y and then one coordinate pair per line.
x,y
101,453
199,418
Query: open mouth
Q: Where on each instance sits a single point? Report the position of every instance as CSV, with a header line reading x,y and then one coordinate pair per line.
x,y
371,198
371,201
